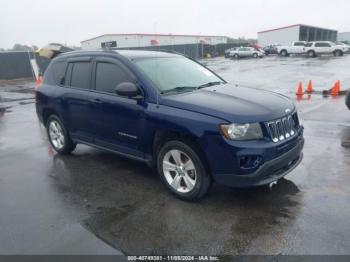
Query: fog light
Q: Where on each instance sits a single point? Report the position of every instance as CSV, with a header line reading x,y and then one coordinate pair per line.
x,y
249,162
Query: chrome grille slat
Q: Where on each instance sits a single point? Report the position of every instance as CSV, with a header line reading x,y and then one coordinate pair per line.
x,y
283,128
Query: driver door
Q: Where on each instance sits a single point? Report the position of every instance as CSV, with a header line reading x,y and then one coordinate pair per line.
x,y
118,121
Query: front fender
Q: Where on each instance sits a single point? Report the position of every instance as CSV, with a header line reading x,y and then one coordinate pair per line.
x,y
188,123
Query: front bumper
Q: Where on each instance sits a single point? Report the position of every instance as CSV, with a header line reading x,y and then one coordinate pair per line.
x,y
269,172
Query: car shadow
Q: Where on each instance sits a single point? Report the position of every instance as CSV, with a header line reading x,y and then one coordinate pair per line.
x,y
130,209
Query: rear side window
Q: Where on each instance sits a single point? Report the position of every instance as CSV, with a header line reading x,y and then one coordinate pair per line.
x,y
59,70
108,76
322,45
80,76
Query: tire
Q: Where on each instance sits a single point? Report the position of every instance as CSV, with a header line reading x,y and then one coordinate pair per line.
x,y
236,56
284,53
58,136
337,53
187,184
255,55
311,53
347,99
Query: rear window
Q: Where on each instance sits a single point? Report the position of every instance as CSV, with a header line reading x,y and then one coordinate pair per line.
x,y
80,77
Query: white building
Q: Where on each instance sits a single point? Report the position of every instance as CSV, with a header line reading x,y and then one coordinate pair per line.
x,y
286,35
344,36
144,40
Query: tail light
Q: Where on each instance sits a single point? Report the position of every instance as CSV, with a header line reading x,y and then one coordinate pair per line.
x,y
38,84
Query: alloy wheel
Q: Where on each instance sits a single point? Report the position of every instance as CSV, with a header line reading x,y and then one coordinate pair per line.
x,y
56,134
179,171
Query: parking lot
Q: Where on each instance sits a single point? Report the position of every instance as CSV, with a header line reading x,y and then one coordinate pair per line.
x,y
45,197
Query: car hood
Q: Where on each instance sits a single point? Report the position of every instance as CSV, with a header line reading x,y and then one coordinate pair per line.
x,y
233,103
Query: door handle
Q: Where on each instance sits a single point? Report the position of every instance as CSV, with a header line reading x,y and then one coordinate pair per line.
x,y
97,101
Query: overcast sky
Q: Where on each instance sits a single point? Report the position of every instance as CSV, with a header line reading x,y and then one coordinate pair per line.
x,y
70,21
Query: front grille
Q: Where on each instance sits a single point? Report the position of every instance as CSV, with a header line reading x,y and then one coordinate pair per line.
x,y
283,128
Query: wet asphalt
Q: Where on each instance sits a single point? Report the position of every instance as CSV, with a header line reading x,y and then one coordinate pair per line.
x,y
52,204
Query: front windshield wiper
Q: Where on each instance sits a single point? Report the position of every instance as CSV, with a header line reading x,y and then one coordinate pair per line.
x,y
179,89
210,84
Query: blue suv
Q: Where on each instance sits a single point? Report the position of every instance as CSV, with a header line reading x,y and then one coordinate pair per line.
x,y
172,113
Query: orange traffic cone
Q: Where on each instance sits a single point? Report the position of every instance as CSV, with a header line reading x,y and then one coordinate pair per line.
x,y
309,87
300,89
334,90
338,86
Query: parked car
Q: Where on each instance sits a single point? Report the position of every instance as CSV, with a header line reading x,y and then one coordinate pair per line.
x,y
316,48
344,45
347,99
270,50
227,51
246,52
297,47
172,113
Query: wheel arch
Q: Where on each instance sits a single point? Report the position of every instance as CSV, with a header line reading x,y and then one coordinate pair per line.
x,y
47,112
160,137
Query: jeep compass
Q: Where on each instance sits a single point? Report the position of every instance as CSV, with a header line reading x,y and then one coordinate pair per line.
x,y
172,113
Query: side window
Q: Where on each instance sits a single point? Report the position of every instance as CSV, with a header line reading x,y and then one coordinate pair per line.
x,y
308,45
322,45
299,44
59,70
241,49
108,76
80,75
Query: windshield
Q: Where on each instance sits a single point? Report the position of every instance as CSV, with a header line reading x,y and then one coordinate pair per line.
x,y
176,73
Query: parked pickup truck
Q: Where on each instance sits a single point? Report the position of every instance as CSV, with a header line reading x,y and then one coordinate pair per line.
x,y
297,47
313,49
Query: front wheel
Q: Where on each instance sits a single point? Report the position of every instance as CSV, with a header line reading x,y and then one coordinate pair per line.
x,y
255,55
338,53
58,136
182,171
236,56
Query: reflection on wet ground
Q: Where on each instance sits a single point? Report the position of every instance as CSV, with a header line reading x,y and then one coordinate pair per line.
x,y
124,203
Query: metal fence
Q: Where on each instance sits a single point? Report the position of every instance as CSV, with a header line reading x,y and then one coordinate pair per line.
x,y
15,65
195,51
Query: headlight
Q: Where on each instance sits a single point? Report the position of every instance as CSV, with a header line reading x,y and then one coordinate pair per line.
x,y
241,131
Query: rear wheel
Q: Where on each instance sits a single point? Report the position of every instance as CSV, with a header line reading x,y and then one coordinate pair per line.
x,y
182,171
311,53
58,136
284,53
236,56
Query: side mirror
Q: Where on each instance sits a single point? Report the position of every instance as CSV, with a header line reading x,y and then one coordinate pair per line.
x,y
128,89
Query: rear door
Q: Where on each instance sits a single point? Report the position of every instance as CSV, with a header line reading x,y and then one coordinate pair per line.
x,y
322,47
118,121
75,101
